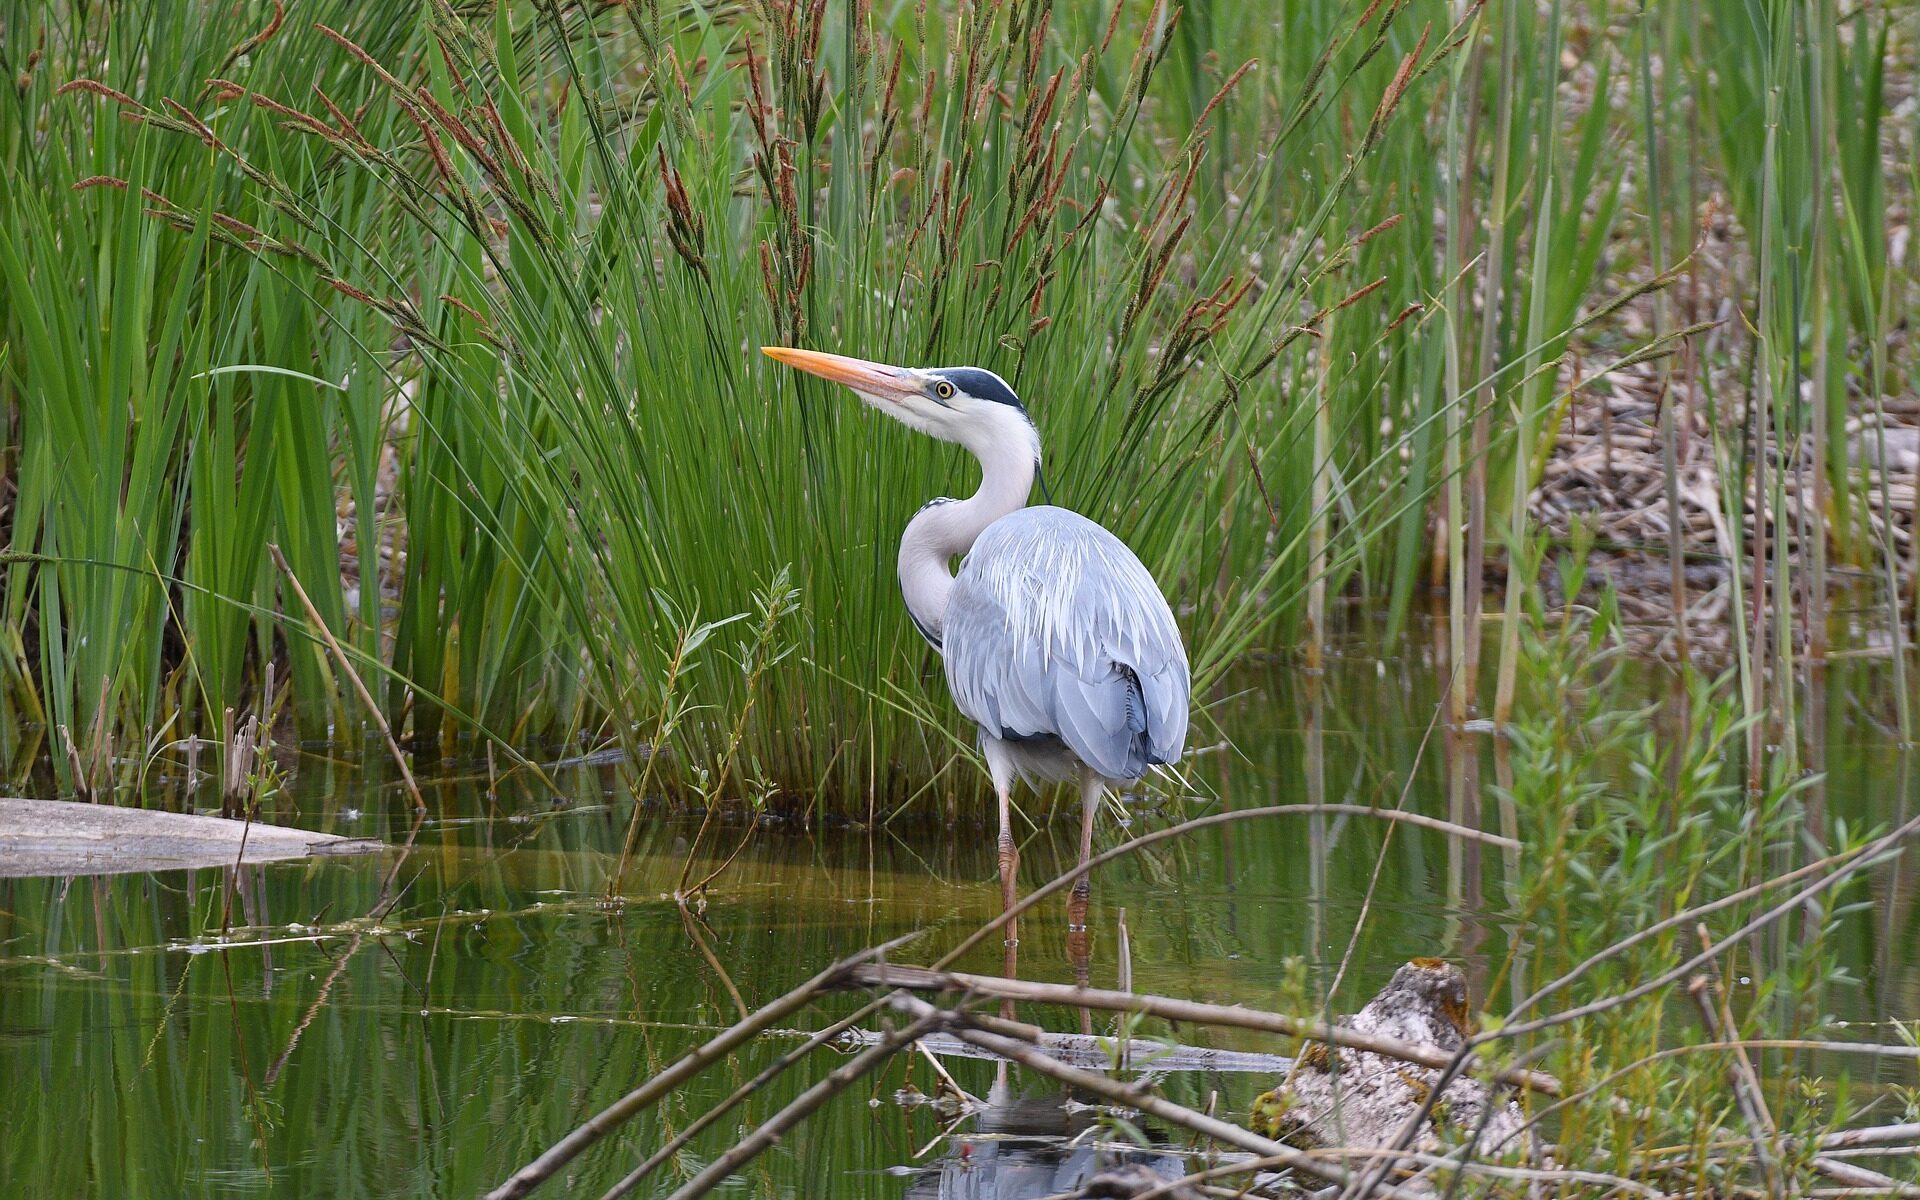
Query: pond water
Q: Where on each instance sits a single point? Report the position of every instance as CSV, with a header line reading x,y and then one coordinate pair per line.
x,y
503,1001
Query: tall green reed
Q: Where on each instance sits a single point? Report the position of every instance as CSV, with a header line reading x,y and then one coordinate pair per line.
x,y
573,407
459,309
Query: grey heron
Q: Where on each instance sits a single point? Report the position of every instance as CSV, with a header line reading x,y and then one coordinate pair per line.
x,y
1056,639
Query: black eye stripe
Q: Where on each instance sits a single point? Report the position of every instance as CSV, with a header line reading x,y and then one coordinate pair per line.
x,y
981,385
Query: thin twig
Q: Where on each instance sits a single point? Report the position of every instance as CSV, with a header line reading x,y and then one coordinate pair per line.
x,y
769,1131
313,1009
1380,860
360,689
379,721
1846,865
1678,919
767,1075
700,943
686,1067
1741,1077
1185,827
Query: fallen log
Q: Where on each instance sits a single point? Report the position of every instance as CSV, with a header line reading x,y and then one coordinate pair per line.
x,y
64,837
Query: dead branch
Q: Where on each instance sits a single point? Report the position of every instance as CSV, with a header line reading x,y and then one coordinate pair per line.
x,y
564,1151
970,1028
769,1131
1745,1082
921,979
1061,882
766,1076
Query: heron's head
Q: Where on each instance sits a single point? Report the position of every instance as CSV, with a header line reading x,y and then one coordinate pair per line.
x,y
968,405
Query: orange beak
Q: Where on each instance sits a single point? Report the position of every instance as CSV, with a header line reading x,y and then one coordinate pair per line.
x,y
867,378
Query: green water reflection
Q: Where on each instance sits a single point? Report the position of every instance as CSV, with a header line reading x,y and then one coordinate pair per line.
x,y
503,1001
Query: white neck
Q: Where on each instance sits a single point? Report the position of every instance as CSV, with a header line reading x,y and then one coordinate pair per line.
x,y
947,529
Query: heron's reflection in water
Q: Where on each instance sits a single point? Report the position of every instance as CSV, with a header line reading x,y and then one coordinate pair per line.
x,y
1029,1146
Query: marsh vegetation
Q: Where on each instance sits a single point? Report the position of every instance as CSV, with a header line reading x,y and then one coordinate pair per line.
x,y
1514,400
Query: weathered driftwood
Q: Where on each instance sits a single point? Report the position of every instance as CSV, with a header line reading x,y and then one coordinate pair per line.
x,y
1339,1096
63,837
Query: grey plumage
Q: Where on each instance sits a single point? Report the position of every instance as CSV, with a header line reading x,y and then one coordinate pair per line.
x,y
1057,638
1057,641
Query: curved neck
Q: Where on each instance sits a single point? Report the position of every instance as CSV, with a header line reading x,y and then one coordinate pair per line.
x,y
946,529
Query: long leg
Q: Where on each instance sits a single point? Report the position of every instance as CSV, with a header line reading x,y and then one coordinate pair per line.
x,y
1000,764
1079,942
1009,869
1091,787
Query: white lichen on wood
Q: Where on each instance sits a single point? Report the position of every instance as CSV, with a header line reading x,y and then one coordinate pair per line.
x,y
1342,1097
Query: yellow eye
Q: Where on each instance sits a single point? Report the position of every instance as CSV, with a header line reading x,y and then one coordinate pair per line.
x,y
943,389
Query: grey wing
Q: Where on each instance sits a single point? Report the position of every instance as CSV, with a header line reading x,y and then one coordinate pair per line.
x,y
1054,628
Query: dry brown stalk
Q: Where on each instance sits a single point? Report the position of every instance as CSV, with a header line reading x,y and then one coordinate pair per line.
x,y
99,89
476,314
1395,90
237,786
1226,89
440,160
347,125
236,225
1379,229
192,120
1113,23
351,47
1402,317
294,116
151,196
458,130
250,44
347,289
686,229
